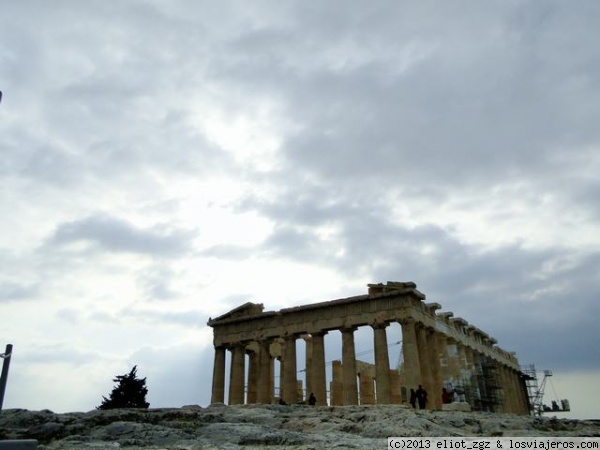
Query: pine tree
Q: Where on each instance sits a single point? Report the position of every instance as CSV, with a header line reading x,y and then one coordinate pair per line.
x,y
130,392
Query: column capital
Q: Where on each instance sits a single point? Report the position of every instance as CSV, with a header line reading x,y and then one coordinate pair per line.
x,y
351,329
430,330
407,321
421,326
378,324
232,345
319,333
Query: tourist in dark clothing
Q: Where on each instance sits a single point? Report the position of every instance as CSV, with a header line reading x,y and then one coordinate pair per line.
x,y
421,397
413,398
312,400
446,396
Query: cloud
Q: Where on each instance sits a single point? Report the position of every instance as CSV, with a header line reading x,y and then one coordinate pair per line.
x,y
110,234
176,375
317,148
469,89
157,282
10,291
181,318
541,297
58,353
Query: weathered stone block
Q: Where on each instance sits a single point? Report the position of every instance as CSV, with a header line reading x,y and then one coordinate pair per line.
x,y
457,406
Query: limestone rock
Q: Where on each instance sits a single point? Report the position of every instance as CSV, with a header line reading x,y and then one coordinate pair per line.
x,y
274,426
457,406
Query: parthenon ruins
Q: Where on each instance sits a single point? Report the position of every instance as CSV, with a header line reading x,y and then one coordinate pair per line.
x,y
438,349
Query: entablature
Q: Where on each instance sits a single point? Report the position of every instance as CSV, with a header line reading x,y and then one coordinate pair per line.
x,y
384,304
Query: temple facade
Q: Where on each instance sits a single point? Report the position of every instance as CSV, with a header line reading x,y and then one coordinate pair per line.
x,y
439,351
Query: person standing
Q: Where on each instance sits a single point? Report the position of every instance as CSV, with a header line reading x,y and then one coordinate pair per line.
x,y
413,398
446,396
421,397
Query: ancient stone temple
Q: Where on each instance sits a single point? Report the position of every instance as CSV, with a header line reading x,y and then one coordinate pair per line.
x,y
439,351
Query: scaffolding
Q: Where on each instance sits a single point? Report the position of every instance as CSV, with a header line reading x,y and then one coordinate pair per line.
x,y
482,388
490,386
535,392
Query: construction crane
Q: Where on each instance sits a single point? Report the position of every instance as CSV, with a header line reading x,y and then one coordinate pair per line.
x,y
536,393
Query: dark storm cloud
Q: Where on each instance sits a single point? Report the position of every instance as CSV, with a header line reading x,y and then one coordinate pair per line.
x,y
550,318
538,302
476,100
362,236
415,103
107,233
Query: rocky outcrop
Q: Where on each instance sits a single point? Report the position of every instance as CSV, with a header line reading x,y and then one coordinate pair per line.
x,y
272,426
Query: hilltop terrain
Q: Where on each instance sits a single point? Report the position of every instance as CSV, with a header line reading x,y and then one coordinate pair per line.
x,y
267,426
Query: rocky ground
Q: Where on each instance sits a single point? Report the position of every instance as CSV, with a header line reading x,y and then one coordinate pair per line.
x,y
267,426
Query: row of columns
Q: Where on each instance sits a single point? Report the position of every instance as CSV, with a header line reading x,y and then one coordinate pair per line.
x,y
427,361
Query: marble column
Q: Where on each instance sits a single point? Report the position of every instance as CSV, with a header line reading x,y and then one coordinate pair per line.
x,y
462,363
524,395
518,398
484,395
520,401
289,381
410,350
218,386
382,364
505,399
336,387
309,364
319,385
510,389
263,388
252,377
271,389
437,382
514,387
495,386
349,367
426,376
453,372
367,396
474,395
442,357
236,378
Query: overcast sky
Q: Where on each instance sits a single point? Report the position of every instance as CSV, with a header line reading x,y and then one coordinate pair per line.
x,y
164,162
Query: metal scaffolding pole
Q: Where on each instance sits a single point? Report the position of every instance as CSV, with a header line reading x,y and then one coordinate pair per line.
x,y
4,377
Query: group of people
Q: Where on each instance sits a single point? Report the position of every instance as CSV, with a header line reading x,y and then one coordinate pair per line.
x,y
418,397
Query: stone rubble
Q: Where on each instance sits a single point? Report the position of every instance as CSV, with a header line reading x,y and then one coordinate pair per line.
x,y
268,426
